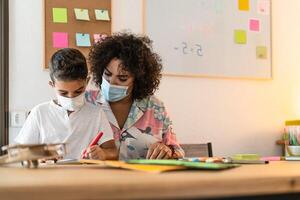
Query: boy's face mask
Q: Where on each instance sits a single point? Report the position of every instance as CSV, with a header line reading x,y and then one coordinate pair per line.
x,y
113,93
71,104
70,94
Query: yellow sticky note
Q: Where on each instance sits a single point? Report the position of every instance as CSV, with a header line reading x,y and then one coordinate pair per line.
x,y
59,15
240,36
102,15
261,52
244,5
82,14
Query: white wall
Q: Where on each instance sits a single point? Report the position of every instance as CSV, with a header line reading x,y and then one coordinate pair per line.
x,y
28,82
237,116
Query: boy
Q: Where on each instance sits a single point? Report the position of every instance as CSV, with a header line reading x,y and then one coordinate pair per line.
x,y
69,118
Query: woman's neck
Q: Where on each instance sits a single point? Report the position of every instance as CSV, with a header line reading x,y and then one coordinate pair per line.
x,y
126,101
121,110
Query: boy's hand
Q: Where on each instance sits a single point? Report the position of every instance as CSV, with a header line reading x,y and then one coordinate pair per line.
x,y
159,151
95,152
44,160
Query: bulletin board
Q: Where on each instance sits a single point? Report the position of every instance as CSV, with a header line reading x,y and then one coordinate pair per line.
x,y
66,28
211,38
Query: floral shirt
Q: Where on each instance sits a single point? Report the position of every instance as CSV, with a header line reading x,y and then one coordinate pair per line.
x,y
147,123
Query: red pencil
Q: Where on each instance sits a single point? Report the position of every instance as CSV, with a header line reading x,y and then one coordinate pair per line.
x,y
94,142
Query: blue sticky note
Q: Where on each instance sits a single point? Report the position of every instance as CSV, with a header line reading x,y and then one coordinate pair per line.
x,y
83,40
102,15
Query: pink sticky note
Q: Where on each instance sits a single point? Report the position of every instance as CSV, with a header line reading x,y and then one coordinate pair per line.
x,y
263,7
60,40
254,25
99,37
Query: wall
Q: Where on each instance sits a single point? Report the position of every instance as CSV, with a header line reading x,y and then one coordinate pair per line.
x,y
28,82
237,116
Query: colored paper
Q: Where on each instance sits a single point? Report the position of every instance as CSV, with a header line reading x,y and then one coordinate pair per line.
x,y
244,5
82,14
246,157
261,52
254,25
99,37
59,15
60,40
83,40
137,167
240,36
187,164
272,158
263,7
102,15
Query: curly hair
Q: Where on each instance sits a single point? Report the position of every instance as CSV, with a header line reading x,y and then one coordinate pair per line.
x,y
137,57
68,64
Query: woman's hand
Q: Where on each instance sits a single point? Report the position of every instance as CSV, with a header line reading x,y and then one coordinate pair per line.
x,y
159,151
96,152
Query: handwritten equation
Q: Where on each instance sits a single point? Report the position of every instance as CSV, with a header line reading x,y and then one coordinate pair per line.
x,y
186,48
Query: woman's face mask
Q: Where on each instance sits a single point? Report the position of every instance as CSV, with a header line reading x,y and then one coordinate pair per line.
x,y
113,93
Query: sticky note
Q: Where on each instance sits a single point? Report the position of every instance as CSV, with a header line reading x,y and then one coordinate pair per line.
x,y
244,5
261,52
102,15
60,40
82,14
263,7
240,36
59,15
99,37
83,40
254,25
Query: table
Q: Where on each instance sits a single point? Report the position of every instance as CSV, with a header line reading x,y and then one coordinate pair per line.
x,y
95,182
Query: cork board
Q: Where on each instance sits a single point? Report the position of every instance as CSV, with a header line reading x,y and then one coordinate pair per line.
x,y
61,27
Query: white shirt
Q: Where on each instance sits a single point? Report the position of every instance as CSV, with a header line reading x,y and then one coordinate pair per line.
x,y
49,123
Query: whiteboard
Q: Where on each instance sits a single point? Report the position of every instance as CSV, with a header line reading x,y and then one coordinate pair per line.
x,y
217,38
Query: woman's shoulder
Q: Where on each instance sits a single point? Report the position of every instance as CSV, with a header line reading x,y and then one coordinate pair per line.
x,y
92,96
151,102
156,101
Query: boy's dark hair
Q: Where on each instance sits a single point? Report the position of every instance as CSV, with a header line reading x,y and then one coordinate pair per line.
x,y
68,65
137,57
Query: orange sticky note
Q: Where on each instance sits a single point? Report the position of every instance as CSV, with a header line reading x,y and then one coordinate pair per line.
x,y
244,5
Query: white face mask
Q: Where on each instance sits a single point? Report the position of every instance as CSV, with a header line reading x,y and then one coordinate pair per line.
x,y
71,104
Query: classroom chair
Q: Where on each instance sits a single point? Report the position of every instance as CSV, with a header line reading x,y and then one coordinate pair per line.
x,y
197,150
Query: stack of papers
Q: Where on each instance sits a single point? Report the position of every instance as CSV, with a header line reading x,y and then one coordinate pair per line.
x,y
154,166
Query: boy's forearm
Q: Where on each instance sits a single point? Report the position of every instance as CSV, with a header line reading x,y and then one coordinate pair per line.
x,y
111,154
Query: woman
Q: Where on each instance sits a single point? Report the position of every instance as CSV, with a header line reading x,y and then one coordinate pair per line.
x,y
128,73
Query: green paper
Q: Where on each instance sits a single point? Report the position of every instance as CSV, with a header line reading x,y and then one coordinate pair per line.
x,y
59,15
240,36
82,14
188,164
102,15
246,157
